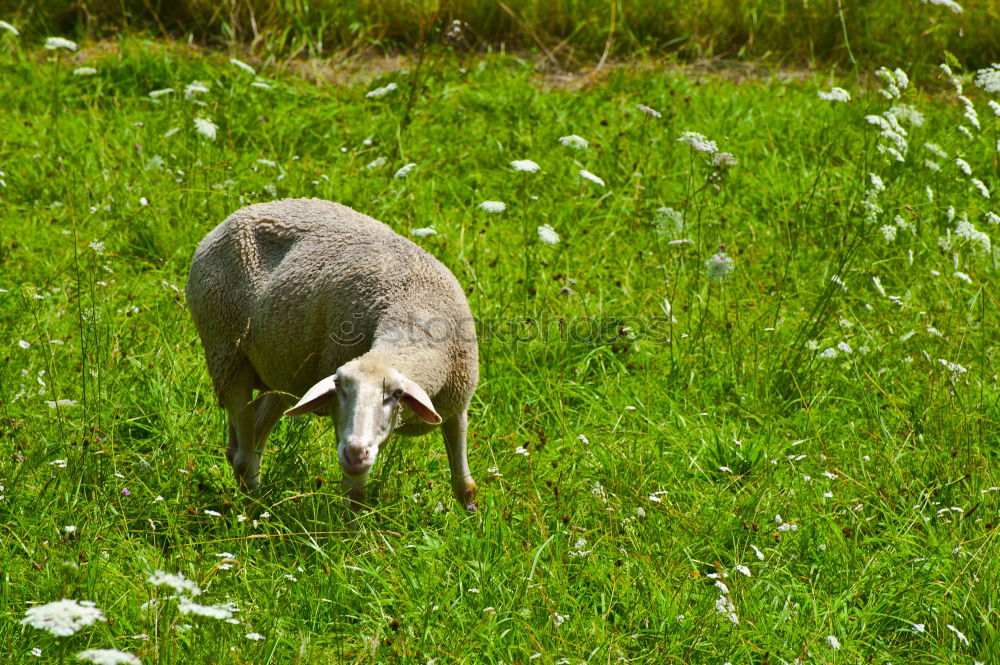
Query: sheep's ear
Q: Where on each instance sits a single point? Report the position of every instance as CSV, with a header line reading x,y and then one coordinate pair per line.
x,y
315,397
418,401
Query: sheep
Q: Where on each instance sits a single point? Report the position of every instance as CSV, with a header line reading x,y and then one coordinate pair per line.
x,y
309,297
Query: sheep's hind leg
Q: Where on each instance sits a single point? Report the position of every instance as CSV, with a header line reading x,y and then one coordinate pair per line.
x,y
462,484
237,400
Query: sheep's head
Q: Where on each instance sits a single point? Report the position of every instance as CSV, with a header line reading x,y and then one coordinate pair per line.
x,y
368,399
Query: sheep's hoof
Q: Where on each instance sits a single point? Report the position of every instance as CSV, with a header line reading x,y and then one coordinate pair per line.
x,y
465,493
246,469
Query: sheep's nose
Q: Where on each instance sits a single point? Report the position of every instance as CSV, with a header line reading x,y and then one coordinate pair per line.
x,y
357,458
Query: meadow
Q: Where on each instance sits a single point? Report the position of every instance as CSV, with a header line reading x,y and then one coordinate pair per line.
x,y
738,343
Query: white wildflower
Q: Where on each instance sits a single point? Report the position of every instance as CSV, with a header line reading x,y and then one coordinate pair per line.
x,y
156,94
844,348
63,617
521,450
888,232
668,221
917,627
381,92
60,403
970,111
723,605
109,657
587,175
54,43
965,131
84,71
930,194
757,553
836,279
978,184
992,217
967,231
574,141
424,232
744,570
989,79
558,619
698,142
194,87
936,150
995,106
961,637
219,611
878,285
205,127
4,25
404,170
177,582
963,166
835,95
244,66
933,166
493,207
24,345
908,114
257,637
525,165
828,353
722,160
378,162
547,234
954,368
648,111
833,641
950,4
877,185
718,267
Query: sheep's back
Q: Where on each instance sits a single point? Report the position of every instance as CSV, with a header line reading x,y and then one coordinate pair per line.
x,y
311,283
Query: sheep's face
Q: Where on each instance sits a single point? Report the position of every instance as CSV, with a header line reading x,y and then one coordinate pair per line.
x,y
368,402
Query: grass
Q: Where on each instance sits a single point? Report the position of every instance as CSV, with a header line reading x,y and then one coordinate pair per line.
x,y
570,33
678,429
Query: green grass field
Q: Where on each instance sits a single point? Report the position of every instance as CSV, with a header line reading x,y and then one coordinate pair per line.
x,y
741,413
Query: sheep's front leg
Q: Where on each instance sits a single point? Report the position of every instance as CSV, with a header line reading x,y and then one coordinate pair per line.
x,y
240,410
462,484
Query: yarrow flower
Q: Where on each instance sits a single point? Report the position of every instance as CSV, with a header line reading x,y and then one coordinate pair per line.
x,y
220,611
195,87
205,127
722,160
950,4
402,172
548,235
989,79
833,641
381,92
574,141
64,617
587,175
835,95
177,582
698,142
109,657
55,43
525,165
718,267
244,66
648,111
84,71
494,207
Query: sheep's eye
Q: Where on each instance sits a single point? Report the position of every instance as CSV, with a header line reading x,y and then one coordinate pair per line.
x,y
398,393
